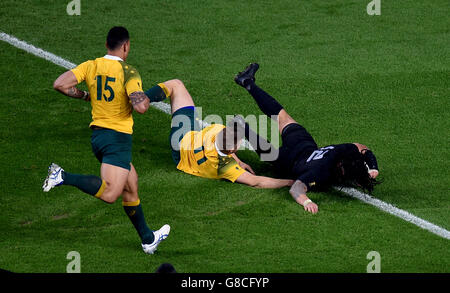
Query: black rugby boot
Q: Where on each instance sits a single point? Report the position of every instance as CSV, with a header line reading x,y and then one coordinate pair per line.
x,y
247,77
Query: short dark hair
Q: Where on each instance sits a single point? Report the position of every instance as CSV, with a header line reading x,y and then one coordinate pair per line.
x,y
116,37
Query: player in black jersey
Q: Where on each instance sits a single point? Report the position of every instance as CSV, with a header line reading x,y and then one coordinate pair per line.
x,y
299,157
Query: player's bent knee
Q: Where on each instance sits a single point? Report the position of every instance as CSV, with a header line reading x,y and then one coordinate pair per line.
x,y
110,196
284,119
178,83
109,200
130,197
174,84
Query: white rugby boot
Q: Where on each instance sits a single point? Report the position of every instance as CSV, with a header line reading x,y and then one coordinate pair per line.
x,y
54,177
160,235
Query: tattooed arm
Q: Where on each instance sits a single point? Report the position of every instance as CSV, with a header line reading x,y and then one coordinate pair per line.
x,y
298,192
66,83
140,102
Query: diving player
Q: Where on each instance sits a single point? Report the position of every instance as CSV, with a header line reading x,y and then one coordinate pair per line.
x,y
208,152
300,158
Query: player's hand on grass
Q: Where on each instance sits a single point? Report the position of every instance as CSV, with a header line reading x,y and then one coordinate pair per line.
x,y
311,207
373,173
246,167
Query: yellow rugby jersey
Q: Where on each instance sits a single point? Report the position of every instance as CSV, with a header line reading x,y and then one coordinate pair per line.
x,y
199,156
110,82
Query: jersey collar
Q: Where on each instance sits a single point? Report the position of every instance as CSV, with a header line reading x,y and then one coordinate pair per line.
x,y
111,57
218,151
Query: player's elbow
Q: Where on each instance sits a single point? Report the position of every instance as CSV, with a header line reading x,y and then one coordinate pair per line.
x,y
57,85
361,147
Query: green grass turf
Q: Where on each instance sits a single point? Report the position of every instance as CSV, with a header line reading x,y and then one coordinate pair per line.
x,y
381,80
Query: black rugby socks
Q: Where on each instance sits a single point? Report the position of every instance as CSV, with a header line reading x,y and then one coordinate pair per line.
x,y
266,102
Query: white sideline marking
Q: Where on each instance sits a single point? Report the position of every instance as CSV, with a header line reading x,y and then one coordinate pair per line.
x,y
58,60
164,107
388,208
36,51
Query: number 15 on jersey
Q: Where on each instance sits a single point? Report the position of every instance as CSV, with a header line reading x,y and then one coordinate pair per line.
x,y
102,89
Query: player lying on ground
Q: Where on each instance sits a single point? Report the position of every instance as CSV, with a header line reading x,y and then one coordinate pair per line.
x,y
208,152
299,157
115,89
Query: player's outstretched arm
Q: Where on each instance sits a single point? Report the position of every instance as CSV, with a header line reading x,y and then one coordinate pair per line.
x,y
263,182
66,83
298,192
140,102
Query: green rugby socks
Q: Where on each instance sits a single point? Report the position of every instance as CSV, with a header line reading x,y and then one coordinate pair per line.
x,y
136,216
95,186
157,93
89,184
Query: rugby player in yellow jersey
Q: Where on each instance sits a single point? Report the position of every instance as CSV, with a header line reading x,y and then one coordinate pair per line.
x,y
115,90
208,152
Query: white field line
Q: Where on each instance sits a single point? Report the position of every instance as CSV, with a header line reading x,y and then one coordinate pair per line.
x,y
58,60
396,211
164,107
